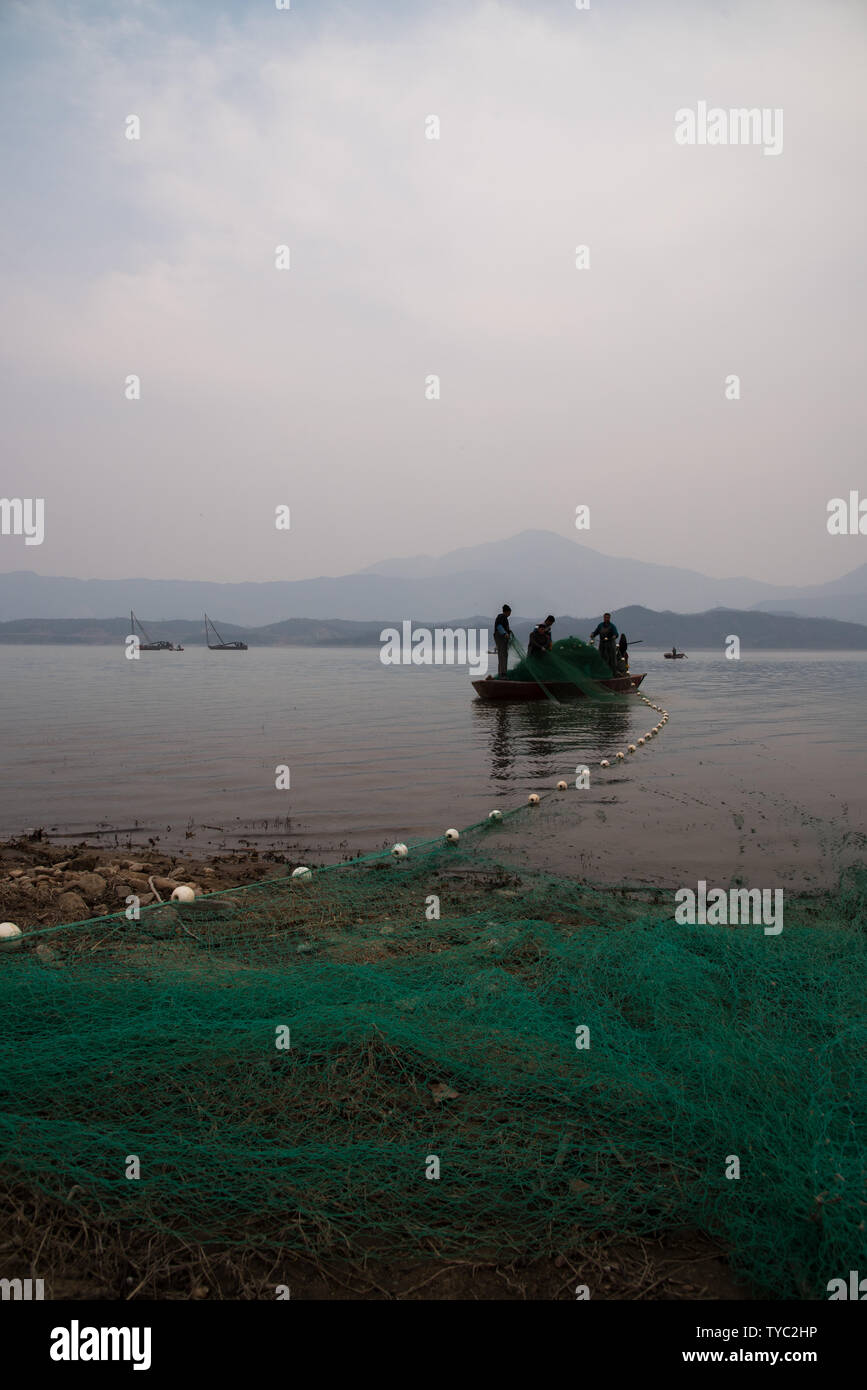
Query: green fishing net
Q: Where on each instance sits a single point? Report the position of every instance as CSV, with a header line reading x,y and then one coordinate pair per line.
x,y
287,1060
570,661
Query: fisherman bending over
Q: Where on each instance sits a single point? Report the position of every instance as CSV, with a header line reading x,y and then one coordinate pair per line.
x,y
502,638
606,632
539,640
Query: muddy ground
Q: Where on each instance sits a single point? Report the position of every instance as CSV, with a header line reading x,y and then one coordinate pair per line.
x,y
43,885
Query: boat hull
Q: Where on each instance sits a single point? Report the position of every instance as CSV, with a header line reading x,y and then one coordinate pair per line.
x,y
492,689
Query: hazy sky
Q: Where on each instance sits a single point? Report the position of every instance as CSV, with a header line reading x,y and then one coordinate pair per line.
x,y
409,257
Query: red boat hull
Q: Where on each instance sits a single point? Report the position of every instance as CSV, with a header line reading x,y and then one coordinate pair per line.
x,y
492,689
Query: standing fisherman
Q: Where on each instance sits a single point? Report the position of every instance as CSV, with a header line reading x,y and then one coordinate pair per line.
x,y
606,632
502,638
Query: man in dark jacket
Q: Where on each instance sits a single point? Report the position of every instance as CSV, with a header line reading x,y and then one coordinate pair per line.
x,y
607,633
539,640
502,638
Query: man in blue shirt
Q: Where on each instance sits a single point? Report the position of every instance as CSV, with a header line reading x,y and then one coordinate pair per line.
x,y
502,638
607,634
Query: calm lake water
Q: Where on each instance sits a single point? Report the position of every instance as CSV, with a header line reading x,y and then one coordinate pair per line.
x,y
761,767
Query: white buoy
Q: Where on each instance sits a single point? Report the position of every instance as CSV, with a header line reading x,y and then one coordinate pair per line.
x,y
533,799
302,872
452,836
605,763
631,748
183,894
400,851
10,936
561,786
640,742
620,755
495,815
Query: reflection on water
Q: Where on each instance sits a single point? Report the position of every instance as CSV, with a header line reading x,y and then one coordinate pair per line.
x,y
547,739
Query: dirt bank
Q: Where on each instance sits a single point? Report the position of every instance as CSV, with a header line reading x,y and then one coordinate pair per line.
x,y
43,885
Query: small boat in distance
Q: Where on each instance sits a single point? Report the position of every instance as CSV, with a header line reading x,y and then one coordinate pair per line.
x,y
674,655
220,645
147,645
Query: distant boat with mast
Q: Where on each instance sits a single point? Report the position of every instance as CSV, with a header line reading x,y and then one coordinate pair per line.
x,y
147,645
220,645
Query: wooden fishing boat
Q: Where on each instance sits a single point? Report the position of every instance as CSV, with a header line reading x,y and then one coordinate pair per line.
x,y
491,688
220,645
674,656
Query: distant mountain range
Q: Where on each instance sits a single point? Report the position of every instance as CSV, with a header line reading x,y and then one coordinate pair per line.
x,y
756,630
537,572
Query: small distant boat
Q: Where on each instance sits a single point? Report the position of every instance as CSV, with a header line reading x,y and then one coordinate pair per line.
x,y
147,645
674,655
220,645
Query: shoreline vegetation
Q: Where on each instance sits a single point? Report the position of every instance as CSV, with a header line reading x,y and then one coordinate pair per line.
x,y
758,631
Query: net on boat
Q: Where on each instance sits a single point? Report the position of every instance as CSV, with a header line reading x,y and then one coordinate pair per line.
x,y
569,661
448,1056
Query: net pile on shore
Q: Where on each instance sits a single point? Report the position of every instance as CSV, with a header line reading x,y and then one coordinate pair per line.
x,y
570,660
414,1037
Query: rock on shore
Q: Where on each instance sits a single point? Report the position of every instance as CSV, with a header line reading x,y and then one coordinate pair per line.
x,y
43,885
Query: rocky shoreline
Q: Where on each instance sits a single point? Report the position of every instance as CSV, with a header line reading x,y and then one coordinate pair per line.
x,y
44,885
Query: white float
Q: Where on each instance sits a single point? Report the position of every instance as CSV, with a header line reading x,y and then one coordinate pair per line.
x,y
10,936
183,894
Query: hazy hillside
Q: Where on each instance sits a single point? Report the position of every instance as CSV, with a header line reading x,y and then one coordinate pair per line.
x,y
537,572
757,630
841,598
657,631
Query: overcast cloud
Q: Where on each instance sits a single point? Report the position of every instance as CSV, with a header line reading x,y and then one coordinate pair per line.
x,y
412,256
